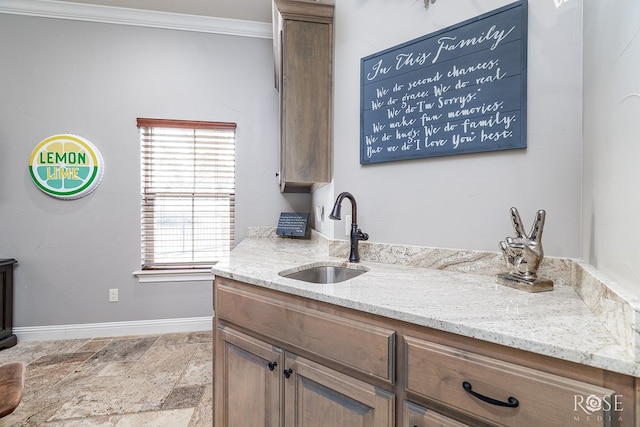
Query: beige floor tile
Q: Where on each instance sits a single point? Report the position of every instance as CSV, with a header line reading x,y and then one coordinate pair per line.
x,y
199,369
115,369
186,338
173,418
124,350
30,351
94,345
74,382
32,413
203,413
163,381
105,421
40,380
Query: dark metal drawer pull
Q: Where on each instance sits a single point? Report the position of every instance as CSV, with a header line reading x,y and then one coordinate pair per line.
x,y
272,365
511,402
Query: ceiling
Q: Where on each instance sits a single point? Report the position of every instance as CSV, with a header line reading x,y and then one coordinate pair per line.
x,y
248,10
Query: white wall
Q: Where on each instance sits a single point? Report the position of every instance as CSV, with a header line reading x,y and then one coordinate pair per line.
x,y
611,205
91,79
463,201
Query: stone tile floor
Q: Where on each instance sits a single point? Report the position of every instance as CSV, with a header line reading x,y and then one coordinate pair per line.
x,y
151,380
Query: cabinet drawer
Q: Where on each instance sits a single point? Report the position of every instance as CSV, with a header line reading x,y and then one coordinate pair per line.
x,y
360,346
438,373
417,416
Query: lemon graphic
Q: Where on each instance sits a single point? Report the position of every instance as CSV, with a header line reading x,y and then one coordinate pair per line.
x,y
66,166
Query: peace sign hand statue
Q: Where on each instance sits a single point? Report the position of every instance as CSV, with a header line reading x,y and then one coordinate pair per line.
x,y
523,254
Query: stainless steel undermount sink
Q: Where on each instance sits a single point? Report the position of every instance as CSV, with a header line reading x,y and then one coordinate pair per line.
x,y
324,273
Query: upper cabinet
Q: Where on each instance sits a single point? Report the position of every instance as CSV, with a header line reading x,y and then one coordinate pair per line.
x,y
303,50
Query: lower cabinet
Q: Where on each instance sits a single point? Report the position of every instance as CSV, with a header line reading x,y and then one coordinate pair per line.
x,y
261,385
288,361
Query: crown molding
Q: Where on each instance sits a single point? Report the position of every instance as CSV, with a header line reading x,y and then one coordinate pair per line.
x,y
136,17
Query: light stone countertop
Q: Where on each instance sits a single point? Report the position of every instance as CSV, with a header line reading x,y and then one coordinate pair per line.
x,y
556,323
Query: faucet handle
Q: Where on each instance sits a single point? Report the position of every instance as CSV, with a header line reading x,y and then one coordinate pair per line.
x,y
361,235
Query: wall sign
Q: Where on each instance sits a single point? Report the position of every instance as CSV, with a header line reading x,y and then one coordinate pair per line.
x,y
459,90
66,166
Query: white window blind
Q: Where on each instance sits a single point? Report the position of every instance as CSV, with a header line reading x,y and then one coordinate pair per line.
x,y
188,192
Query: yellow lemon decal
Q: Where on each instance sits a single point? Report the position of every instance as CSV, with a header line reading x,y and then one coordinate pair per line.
x,y
66,166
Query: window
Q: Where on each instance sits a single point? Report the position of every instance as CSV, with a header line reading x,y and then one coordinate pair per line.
x,y
188,192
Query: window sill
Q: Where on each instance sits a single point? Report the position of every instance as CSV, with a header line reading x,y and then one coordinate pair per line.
x,y
190,275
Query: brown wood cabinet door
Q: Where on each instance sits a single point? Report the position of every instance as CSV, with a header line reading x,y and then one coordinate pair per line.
x,y
303,51
248,378
306,98
316,396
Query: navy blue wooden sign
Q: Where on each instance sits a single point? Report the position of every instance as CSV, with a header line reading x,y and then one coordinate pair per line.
x,y
460,90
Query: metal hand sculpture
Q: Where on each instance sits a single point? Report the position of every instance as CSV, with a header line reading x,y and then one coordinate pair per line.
x,y
523,254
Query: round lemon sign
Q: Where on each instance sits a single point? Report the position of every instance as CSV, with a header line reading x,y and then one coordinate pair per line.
x,y
66,166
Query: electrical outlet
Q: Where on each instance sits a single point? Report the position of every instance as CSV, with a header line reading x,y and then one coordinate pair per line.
x,y
347,225
113,295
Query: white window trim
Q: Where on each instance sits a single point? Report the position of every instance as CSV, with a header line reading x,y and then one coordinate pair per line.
x,y
184,275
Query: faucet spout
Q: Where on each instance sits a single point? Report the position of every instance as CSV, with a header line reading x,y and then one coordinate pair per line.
x,y
356,234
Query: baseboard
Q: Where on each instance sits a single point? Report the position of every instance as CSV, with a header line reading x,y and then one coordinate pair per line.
x,y
112,329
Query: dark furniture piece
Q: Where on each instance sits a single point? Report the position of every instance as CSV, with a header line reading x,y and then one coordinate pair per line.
x,y
7,338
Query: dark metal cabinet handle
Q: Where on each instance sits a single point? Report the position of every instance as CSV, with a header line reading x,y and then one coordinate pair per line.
x,y
287,372
272,365
511,402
